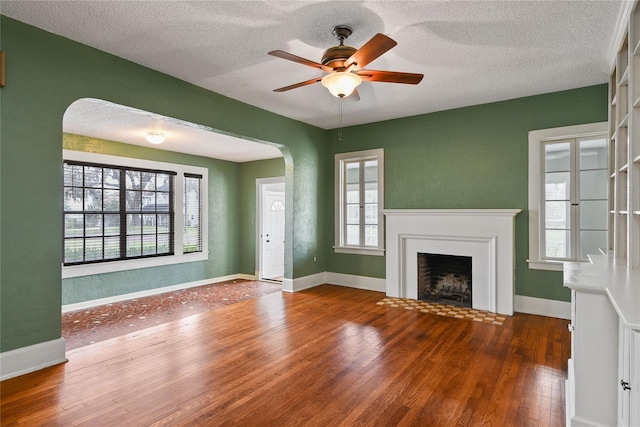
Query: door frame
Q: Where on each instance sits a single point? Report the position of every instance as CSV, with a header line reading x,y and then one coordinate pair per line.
x,y
261,186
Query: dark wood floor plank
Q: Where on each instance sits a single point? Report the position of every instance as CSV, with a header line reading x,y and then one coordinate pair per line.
x,y
326,356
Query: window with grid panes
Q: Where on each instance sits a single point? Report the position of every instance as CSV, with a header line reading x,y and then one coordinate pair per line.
x,y
359,202
116,213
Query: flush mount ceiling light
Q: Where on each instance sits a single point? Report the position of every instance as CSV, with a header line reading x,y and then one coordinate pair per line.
x,y
155,137
344,65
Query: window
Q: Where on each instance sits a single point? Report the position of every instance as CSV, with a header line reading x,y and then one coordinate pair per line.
x,y
192,233
359,202
568,182
120,213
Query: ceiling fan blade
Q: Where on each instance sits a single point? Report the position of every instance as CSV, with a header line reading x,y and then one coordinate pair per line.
x,y
372,49
390,77
300,60
297,85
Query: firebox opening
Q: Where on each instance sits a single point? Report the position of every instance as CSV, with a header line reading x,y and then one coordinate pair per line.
x,y
444,279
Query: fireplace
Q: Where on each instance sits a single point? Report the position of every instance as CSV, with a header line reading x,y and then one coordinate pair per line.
x,y
486,236
445,279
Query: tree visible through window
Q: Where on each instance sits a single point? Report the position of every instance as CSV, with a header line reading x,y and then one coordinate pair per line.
x,y
115,213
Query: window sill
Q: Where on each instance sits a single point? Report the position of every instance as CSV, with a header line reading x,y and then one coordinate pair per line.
x,y
358,250
113,266
545,265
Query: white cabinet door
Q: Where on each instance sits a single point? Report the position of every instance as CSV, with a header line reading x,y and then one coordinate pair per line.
x,y
634,378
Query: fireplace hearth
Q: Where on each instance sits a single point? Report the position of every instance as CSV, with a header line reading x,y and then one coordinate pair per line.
x,y
445,279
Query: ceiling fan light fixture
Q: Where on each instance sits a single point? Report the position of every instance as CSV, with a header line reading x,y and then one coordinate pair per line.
x,y
341,83
155,137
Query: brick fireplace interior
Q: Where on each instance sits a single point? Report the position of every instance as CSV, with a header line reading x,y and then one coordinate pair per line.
x,y
444,279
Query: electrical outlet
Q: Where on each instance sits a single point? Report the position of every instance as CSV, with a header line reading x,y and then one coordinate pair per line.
x,y
315,258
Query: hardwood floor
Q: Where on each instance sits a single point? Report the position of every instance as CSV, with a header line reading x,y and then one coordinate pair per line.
x,y
328,356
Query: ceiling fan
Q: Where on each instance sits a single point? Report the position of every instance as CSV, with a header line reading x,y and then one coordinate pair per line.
x,y
344,65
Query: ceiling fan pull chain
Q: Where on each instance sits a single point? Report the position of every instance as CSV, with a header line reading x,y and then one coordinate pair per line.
x,y
340,128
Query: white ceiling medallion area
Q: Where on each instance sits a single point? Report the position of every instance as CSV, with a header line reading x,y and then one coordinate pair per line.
x,y
112,122
470,52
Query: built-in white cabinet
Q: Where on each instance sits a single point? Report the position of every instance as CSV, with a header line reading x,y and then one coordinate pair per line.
x,y
603,386
629,374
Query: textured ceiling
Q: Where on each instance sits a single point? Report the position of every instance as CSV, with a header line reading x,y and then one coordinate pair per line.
x,y
471,52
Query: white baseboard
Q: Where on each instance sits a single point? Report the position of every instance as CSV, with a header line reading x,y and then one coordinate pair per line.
x,y
31,358
117,298
542,307
301,283
358,282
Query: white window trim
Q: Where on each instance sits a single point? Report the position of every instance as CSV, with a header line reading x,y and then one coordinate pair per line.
x,y
536,139
178,257
338,202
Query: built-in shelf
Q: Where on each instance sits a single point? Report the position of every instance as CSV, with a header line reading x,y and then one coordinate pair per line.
x,y
636,159
623,212
614,101
636,213
624,122
624,168
624,79
636,103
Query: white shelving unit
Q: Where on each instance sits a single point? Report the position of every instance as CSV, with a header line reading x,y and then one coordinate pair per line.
x,y
625,147
603,386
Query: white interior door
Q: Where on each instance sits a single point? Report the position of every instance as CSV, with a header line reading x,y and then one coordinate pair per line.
x,y
272,234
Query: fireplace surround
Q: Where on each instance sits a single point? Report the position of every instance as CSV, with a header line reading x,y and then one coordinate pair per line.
x,y
485,235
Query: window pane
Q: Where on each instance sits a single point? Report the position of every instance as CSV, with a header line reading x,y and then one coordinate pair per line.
x,y
73,199
371,192
73,175
353,234
353,193
163,244
149,244
591,242
133,180
92,199
558,243
134,224
353,214
73,225
149,224
162,223
371,235
192,233
556,186
371,171
352,172
593,215
134,246
593,154
371,213
557,157
93,177
111,224
148,181
111,200
134,201
111,178
93,249
111,247
93,224
557,215
593,184
73,250
163,182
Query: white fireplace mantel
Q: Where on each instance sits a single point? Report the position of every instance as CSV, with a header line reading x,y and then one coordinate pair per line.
x,y
486,235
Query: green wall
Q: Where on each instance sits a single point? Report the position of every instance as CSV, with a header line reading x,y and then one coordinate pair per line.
x,y
249,172
45,74
468,158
